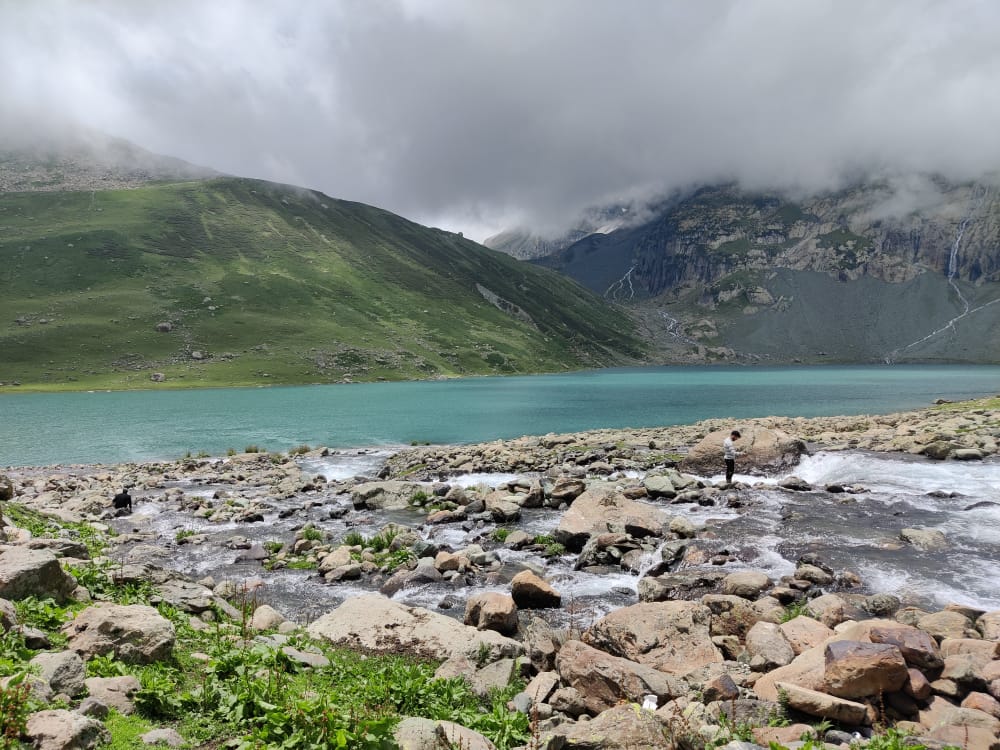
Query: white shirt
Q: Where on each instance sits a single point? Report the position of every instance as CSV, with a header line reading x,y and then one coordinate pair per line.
x,y
728,449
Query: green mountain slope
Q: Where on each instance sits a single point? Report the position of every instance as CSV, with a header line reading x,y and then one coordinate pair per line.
x,y
234,281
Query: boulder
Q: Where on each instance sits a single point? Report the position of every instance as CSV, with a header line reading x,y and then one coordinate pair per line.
x,y
373,622
115,692
803,633
33,572
622,727
988,625
815,703
806,670
600,510
659,486
415,733
392,495
187,596
135,634
266,617
829,609
692,583
929,540
768,648
65,730
916,646
533,592
673,637
855,669
749,584
166,736
761,449
492,611
946,624
603,680
63,670
731,615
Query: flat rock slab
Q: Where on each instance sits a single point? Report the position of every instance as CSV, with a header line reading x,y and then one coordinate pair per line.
x,y
375,623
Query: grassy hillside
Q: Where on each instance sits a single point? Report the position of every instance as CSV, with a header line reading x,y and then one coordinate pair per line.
x,y
260,283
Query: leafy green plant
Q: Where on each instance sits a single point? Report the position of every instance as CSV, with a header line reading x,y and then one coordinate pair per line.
x,y
253,448
311,533
158,696
184,534
106,665
299,450
41,613
354,539
419,498
555,549
794,609
273,547
500,534
15,705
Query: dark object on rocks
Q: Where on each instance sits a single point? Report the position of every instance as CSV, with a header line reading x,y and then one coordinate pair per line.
x,y
122,500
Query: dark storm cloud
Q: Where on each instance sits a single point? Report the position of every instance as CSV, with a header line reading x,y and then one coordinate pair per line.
x,y
475,114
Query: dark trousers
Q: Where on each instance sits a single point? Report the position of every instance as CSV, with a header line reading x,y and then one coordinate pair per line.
x,y
730,468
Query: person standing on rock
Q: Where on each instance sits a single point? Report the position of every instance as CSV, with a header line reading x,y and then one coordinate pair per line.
x,y
729,454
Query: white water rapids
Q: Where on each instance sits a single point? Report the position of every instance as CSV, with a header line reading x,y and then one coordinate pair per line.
x,y
858,532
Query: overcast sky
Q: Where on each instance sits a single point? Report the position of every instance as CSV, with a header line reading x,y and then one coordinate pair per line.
x,y
480,114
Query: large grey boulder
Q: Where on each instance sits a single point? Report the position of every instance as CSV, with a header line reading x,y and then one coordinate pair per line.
x,y
135,634
63,670
373,622
65,730
600,510
415,733
115,692
761,449
621,727
673,637
391,495
33,572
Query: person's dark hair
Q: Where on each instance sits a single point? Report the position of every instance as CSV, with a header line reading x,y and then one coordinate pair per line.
x,y
735,434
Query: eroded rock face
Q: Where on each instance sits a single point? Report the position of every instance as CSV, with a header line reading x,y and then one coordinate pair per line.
x,y
375,623
135,634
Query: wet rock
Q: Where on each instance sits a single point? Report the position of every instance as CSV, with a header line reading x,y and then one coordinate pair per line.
x,y
924,539
813,574
391,495
748,584
492,611
598,511
683,584
532,592
794,483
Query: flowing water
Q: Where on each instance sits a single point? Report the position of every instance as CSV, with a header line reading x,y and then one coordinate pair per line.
x,y
858,532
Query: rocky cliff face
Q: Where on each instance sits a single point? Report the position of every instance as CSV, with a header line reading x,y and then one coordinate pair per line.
x,y
873,230
724,266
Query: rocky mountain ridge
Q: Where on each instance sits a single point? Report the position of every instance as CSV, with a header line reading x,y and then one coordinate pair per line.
x,y
722,266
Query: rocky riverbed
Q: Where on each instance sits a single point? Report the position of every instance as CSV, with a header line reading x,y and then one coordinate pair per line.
x,y
603,566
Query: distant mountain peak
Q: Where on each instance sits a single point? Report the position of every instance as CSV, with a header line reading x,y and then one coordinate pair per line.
x,y
60,158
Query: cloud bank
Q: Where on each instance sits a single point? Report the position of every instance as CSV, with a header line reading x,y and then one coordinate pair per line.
x,y
478,115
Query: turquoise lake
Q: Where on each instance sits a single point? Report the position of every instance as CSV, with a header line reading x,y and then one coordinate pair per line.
x,y
112,427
